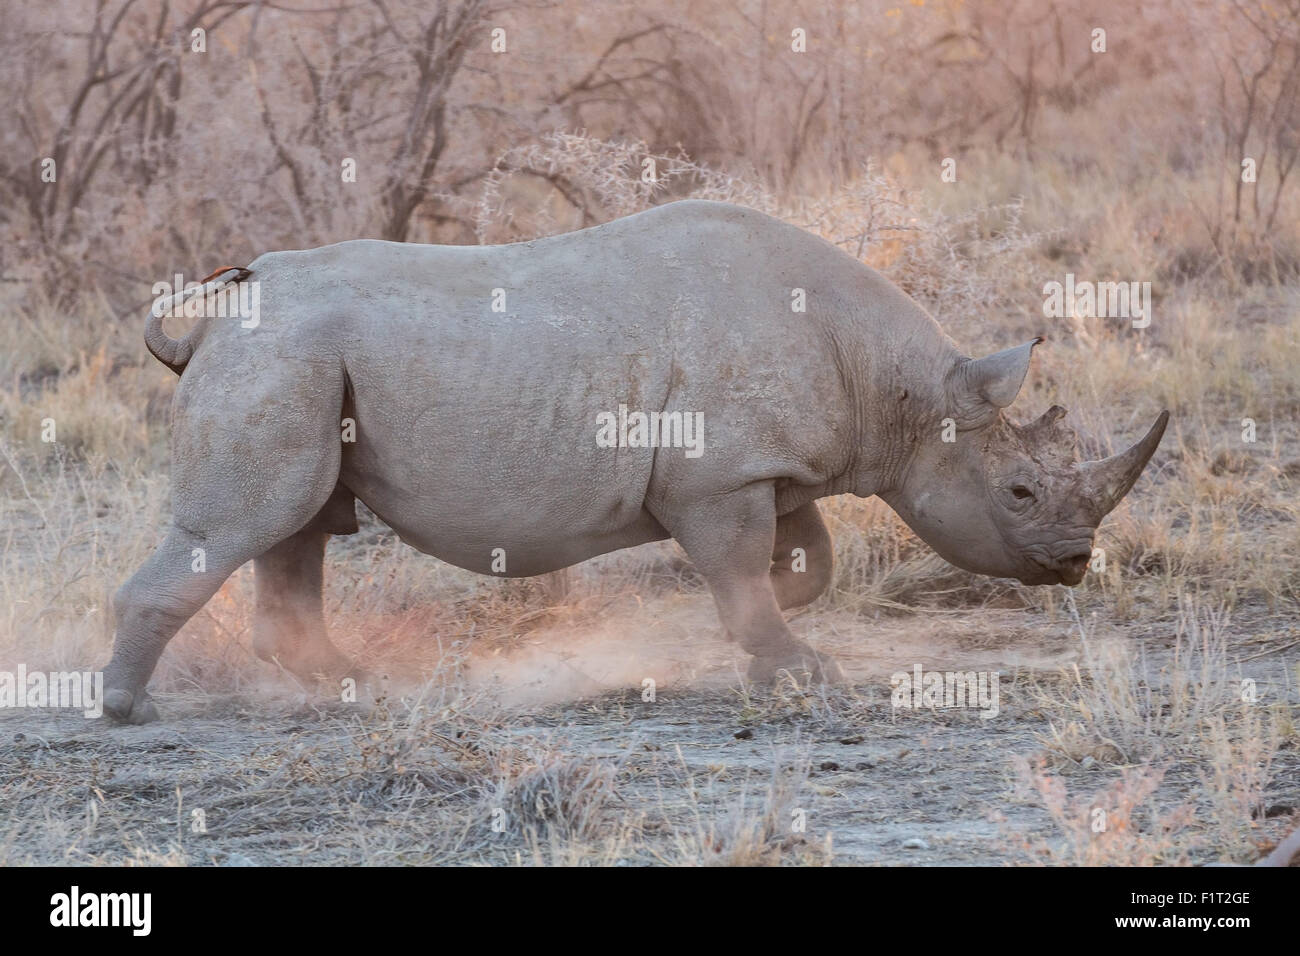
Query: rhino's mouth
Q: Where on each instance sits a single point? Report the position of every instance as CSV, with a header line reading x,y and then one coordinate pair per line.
x,y
1041,574
1073,575
1069,569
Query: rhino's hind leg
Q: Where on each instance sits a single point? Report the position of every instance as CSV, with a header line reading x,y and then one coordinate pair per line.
x,y
168,589
150,608
730,538
289,626
230,507
800,578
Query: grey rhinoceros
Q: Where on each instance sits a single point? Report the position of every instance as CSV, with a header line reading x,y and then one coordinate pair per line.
x,y
477,382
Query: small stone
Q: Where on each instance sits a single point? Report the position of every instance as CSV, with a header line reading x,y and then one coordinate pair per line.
x,y
745,734
828,765
915,843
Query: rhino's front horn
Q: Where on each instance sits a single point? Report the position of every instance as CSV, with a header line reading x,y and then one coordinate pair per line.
x,y
1109,480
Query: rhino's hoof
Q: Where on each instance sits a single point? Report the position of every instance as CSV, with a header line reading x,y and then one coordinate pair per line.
x,y
804,665
126,707
325,670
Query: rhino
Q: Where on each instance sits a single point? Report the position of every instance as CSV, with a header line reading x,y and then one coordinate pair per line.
x,y
477,381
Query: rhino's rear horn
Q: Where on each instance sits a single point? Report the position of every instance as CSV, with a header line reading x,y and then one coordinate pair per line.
x,y
1109,480
1050,417
1045,422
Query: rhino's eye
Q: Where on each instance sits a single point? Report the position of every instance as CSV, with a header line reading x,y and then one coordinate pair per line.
x,y
1022,491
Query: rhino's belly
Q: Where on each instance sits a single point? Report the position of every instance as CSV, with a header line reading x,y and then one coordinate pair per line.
x,y
516,507
523,558
478,538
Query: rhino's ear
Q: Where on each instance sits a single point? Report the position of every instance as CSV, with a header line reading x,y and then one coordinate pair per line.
x,y
981,386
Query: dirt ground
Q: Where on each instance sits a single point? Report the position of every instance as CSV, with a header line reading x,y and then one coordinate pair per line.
x,y
552,742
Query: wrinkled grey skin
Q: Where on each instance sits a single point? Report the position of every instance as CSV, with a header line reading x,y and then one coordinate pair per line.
x,y
475,430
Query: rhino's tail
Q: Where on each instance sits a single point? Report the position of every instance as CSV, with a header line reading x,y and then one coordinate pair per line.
x,y
175,353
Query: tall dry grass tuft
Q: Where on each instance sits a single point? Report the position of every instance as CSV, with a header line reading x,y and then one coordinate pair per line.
x,y
1118,706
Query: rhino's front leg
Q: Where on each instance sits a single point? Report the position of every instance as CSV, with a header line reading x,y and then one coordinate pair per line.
x,y
730,539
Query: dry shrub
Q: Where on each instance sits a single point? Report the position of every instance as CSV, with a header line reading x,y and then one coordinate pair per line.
x,y
423,746
595,180
545,792
752,829
952,262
